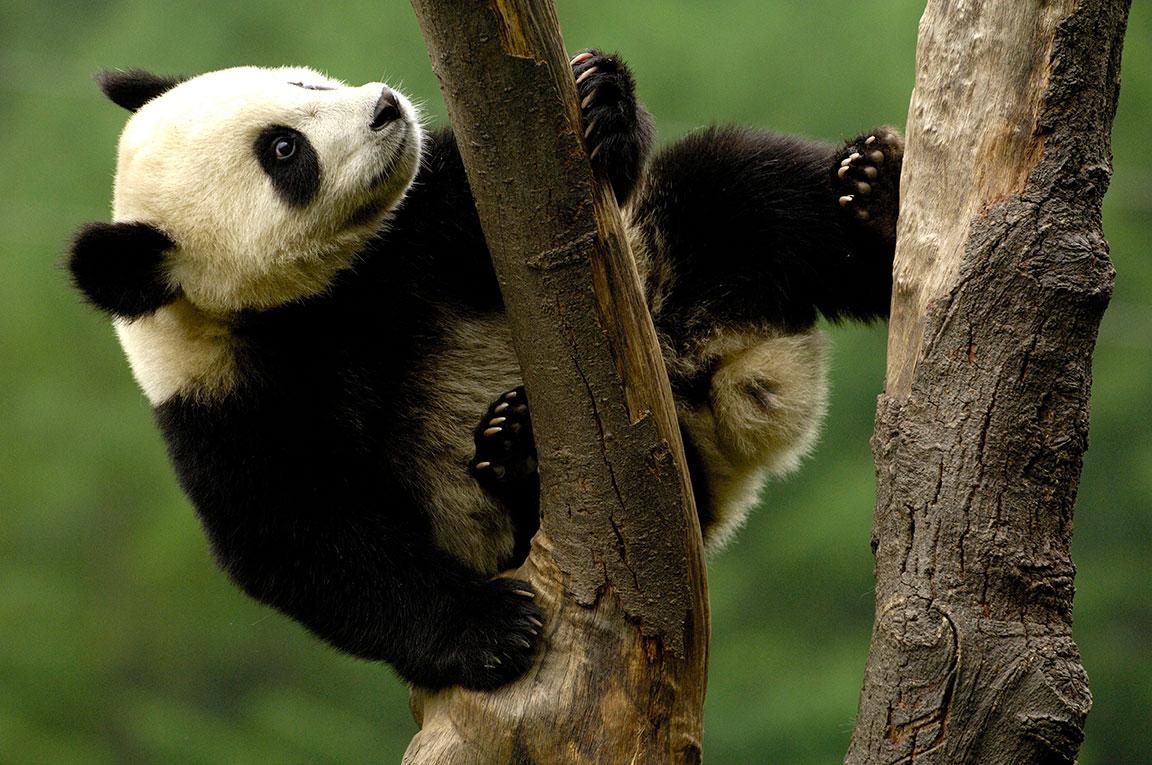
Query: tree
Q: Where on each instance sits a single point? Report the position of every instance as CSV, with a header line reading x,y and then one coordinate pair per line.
x,y
1002,276
618,561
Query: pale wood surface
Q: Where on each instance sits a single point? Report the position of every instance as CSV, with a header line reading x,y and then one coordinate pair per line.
x,y
1002,275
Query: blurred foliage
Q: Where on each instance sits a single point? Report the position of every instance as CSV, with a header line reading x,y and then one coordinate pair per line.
x,y
119,640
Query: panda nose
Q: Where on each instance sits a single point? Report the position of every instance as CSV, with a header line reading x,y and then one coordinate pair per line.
x,y
387,109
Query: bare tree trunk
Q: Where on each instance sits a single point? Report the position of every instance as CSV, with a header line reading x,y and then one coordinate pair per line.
x,y
1002,275
618,562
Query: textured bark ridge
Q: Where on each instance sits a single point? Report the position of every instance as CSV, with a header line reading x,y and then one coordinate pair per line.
x,y
1002,275
618,563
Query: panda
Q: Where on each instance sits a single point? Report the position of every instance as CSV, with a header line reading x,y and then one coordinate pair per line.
x,y
298,277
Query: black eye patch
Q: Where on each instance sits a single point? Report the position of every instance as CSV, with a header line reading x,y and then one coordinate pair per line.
x,y
291,162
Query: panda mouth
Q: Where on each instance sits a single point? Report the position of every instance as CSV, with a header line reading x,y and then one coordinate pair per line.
x,y
370,211
385,174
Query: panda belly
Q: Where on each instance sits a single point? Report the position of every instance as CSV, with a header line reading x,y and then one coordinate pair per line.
x,y
473,366
766,399
767,395
755,401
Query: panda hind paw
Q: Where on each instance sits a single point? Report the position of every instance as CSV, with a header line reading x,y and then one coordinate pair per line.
x,y
867,180
505,447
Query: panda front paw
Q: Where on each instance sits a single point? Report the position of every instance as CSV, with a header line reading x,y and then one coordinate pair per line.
x,y
617,129
867,180
497,640
505,447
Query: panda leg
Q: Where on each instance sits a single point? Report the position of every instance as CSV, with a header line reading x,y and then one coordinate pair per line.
x,y
617,128
865,175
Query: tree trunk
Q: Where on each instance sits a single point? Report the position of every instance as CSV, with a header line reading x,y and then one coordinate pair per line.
x,y
618,562
1002,276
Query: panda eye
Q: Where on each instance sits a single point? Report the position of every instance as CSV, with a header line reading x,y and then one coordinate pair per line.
x,y
291,163
283,147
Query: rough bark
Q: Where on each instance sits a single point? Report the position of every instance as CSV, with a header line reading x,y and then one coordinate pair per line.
x,y
618,562
1002,276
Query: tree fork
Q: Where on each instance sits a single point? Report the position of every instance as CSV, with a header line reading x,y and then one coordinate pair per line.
x,y
1002,275
618,562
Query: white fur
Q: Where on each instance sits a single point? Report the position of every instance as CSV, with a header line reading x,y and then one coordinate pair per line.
x,y
187,165
474,366
767,400
179,350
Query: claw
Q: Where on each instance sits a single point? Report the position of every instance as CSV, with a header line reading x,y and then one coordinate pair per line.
x,y
844,202
846,162
871,140
497,420
843,171
587,73
483,465
500,408
580,58
594,152
493,431
588,99
526,593
511,395
591,126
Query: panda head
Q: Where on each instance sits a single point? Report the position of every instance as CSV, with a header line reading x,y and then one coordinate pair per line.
x,y
245,188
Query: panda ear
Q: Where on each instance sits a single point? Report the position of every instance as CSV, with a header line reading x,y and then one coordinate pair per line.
x,y
120,268
132,88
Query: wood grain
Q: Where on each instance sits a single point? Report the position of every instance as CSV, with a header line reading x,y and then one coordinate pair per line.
x,y
618,563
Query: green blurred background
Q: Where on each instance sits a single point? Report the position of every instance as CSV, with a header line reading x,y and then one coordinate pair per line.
x,y
119,641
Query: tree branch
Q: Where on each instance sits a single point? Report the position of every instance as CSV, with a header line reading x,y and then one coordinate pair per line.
x,y
618,562
1002,276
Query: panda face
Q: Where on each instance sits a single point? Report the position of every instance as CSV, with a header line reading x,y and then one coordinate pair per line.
x,y
267,181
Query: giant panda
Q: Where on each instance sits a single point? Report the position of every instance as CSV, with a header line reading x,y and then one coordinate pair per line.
x,y
298,277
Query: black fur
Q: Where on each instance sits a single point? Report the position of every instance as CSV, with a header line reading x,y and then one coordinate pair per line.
x,y
120,267
754,233
303,475
296,176
618,129
132,88
299,481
